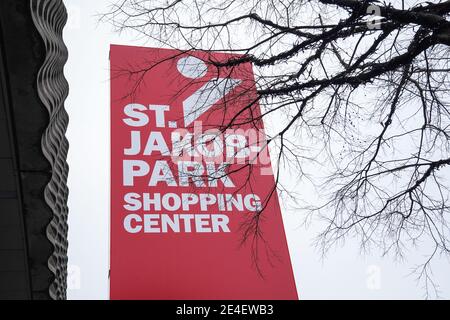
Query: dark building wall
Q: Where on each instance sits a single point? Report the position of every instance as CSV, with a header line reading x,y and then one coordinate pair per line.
x,y
33,150
14,275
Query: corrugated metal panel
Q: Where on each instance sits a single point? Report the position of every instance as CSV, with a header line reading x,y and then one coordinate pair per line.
x,y
34,57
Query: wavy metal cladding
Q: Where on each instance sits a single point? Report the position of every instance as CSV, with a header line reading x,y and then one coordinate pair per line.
x,y
49,17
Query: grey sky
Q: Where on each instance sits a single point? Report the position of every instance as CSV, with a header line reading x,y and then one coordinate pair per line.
x,y
344,273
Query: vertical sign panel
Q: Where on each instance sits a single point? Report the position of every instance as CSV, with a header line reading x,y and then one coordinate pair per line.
x,y
194,209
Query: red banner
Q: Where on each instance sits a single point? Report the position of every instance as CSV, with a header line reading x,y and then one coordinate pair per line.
x,y
194,208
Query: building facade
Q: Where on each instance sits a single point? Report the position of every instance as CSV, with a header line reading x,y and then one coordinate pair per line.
x,y
33,150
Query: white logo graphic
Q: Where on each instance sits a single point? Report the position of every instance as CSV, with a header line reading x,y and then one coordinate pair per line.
x,y
208,95
373,280
73,277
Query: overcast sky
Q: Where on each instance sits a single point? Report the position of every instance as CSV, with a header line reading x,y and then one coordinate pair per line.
x,y
345,273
